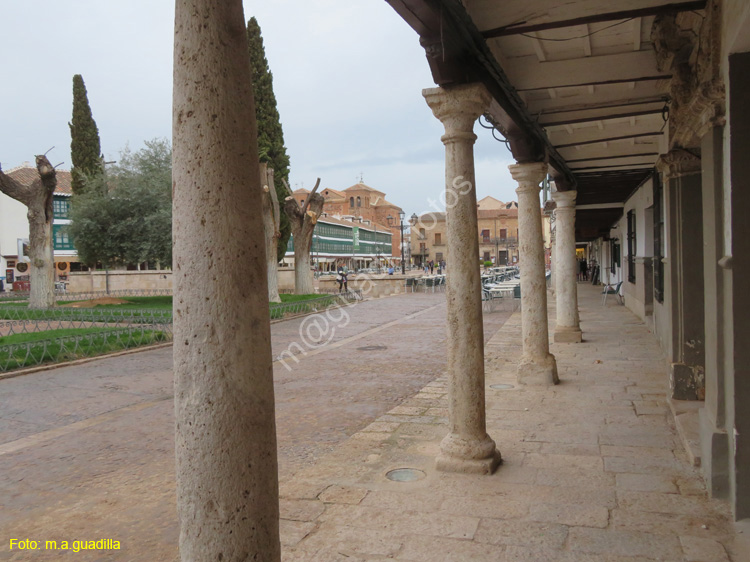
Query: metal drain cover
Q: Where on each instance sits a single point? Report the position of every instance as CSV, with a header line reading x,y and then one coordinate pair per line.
x,y
405,474
372,348
502,386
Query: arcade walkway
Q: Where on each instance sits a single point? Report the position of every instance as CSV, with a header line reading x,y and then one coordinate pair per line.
x,y
593,469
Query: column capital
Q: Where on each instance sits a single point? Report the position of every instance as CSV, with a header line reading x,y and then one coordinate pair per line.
x,y
458,107
564,199
678,162
529,175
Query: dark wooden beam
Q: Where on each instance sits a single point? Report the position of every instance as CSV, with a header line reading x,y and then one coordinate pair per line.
x,y
601,118
612,105
520,28
602,83
647,164
614,157
608,139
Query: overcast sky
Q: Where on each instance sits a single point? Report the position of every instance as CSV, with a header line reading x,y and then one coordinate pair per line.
x,y
348,76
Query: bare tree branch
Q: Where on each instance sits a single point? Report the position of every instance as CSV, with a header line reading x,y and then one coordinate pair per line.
x,y
14,189
288,189
309,197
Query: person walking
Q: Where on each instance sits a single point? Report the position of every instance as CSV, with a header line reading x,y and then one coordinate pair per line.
x,y
341,277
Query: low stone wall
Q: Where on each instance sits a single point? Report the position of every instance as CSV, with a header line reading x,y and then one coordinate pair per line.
x,y
371,286
286,279
94,281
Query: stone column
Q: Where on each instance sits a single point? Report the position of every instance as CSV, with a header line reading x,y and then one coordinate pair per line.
x,y
538,365
467,447
225,435
567,329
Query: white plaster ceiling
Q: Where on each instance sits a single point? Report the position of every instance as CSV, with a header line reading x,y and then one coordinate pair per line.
x,y
584,82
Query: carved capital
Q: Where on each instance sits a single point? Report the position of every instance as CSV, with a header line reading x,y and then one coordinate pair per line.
x,y
528,175
565,199
678,162
458,107
689,45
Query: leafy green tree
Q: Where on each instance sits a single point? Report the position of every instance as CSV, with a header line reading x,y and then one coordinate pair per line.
x,y
271,147
125,216
85,146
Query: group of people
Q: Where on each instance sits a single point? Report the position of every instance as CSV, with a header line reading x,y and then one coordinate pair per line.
x,y
429,267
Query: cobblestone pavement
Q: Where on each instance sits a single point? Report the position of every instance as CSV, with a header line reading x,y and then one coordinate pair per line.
x,y
86,452
593,470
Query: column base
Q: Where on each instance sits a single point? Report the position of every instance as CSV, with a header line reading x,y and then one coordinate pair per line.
x,y
542,372
467,456
568,334
715,456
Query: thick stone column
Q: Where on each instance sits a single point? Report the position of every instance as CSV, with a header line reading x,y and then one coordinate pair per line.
x,y
467,448
225,437
567,329
538,365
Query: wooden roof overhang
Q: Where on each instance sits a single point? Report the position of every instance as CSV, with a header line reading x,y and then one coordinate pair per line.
x,y
576,84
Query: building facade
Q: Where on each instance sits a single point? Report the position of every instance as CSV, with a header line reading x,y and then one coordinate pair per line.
x,y
497,230
353,243
14,227
365,203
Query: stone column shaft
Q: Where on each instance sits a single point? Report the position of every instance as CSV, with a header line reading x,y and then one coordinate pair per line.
x,y
537,365
467,447
225,434
567,329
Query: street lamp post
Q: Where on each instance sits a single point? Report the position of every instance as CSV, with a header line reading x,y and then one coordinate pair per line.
x,y
401,216
413,220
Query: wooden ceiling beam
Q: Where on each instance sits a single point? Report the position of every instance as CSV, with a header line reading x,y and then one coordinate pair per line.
x,y
523,27
598,116
601,82
608,139
527,73
614,157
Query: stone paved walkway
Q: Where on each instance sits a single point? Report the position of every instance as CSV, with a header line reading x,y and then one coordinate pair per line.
x,y
593,469
87,451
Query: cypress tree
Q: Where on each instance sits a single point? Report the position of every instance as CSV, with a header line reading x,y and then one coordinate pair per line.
x,y
85,147
270,134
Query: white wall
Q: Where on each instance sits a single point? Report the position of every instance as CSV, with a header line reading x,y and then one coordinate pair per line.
x,y
13,225
634,293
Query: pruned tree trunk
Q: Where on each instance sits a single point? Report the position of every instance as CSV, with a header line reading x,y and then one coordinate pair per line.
x,y
303,221
38,199
271,219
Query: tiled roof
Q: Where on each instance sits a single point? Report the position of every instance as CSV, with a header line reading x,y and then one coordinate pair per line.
x,y
301,190
333,192
363,187
383,203
497,213
26,174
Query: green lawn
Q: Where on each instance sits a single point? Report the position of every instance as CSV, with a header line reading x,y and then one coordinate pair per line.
x,y
44,348
295,298
141,303
48,335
